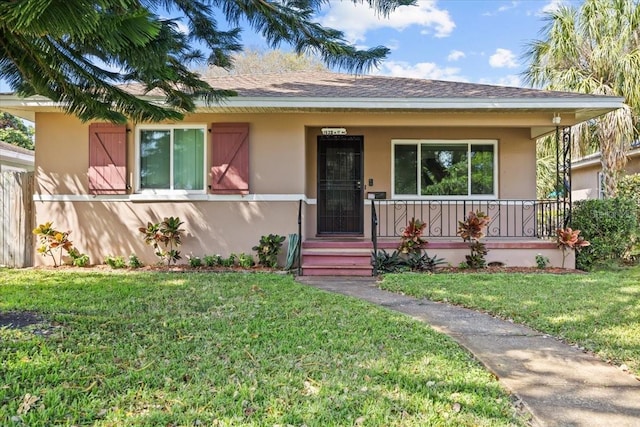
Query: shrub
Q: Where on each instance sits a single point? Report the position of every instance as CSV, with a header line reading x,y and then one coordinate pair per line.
x,y
629,187
245,260
78,259
52,242
423,262
165,237
472,230
412,240
268,250
195,261
384,262
115,262
542,261
610,225
212,260
229,262
134,261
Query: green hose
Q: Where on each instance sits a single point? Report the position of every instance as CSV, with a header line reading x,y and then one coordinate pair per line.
x,y
291,251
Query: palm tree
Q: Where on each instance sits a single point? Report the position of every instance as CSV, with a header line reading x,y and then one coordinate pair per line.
x,y
77,52
594,49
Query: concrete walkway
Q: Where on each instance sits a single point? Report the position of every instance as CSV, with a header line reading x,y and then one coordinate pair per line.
x,y
560,385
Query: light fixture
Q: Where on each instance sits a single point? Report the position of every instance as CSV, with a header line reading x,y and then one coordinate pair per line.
x,y
556,119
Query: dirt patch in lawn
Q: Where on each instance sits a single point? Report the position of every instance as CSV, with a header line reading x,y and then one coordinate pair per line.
x,y
19,319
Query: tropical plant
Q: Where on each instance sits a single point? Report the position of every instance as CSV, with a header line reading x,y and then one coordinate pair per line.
x,y
194,261
542,261
52,242
384,262
165,237
230,261
268,250
77,52
417,261
78,259
594,49
134,261
472,229
245,260
115,261
569,240
411,239
212,260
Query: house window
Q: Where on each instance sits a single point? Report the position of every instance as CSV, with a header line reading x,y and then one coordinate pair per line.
x,y
444,168
600,185
171,158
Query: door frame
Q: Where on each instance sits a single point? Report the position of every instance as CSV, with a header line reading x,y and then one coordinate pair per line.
x,y
359,140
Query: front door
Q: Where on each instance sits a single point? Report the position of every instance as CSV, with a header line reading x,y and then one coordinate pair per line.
x,y
340,190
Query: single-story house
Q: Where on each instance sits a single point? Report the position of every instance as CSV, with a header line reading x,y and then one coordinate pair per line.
x,y
586,173
15,159
348,159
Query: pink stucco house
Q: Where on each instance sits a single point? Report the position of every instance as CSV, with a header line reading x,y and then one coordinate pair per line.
x,y
318,150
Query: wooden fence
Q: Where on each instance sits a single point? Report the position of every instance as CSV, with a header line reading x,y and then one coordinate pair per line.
x,y
16,209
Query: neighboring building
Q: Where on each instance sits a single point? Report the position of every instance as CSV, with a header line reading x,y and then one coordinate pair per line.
x,y
15,159
586,174
340,144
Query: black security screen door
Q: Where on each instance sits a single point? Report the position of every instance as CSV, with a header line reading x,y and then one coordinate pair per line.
x,y
340,190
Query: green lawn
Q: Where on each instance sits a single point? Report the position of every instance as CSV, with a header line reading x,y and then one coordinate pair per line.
x,y
180,349
599,311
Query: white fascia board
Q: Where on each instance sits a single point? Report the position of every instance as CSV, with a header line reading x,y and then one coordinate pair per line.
x,y
594,159
581,103
8,155
422,103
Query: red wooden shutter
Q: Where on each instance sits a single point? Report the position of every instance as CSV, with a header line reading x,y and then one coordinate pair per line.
x,y
230,158
107,158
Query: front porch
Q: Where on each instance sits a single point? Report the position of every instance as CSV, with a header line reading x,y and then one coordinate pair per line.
x,y
518,231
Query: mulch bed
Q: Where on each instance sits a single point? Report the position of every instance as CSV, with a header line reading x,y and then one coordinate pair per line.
x,y
501,269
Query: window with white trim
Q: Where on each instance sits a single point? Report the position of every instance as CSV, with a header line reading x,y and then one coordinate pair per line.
x,y
450,168
171,157
601,185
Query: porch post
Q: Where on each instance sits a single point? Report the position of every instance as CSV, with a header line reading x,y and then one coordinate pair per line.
x,y
566,174
563,176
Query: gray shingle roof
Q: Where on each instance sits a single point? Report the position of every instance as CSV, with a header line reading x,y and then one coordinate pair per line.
x,y
316,84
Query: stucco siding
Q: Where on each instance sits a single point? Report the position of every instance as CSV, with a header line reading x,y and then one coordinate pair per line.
x,y
283,161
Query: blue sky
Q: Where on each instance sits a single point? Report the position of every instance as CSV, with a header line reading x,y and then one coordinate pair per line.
x,y
478,41
463,40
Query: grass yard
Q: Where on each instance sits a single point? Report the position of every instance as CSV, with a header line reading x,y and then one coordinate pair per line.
x,y
598,311
185,349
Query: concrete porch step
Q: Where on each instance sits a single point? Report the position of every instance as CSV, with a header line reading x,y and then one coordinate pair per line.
x,y
336,258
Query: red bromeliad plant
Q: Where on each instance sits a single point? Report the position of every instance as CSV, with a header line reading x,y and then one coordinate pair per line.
x,y
569,240
412,240
472,230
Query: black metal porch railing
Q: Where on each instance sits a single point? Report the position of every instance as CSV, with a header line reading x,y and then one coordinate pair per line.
x,y
508,218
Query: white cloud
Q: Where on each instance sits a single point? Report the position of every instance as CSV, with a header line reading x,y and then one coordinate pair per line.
x,y
503,8
552,6
421,70
503,58
454,55
356,19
